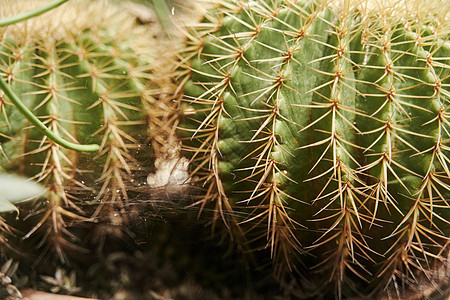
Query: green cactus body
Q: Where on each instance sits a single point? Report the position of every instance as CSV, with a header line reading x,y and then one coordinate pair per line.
x,y
320,132
82,74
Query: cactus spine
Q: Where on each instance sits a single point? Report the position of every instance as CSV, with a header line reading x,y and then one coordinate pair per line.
x,y
320,131
82,70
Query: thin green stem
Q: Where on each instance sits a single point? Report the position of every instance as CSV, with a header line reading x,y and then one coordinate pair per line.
x,y
40,126
163,12
31,14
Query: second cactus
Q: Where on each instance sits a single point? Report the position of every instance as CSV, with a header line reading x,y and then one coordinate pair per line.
x,y
82,70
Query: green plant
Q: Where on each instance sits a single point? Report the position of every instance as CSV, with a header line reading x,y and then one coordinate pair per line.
x,y
320,132
81,70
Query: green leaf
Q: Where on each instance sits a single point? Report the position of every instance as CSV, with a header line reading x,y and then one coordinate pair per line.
x,y
16,189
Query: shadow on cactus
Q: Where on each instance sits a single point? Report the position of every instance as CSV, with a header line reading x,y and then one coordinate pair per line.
x,y
81,69
320,132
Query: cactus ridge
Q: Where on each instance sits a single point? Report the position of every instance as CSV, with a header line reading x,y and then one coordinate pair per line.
x,y
321,129
84,79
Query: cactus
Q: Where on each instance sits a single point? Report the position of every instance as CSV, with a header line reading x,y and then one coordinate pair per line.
x,y
320,132
81,69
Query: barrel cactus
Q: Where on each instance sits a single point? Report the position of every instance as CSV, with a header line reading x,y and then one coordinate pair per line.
x,y
320,132
82,69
